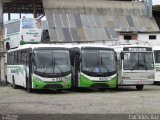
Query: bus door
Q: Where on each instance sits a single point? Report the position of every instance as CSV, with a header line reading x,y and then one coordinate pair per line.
x,y
119,67
75,63
157,65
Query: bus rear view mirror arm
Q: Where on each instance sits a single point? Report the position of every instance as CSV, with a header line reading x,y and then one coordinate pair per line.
x,y
122,55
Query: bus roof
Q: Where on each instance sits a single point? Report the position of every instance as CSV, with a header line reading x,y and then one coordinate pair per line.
x,y
15,20
119,48
92,45
32,46
11,21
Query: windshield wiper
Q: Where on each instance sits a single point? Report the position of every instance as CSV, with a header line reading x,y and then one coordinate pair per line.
x,y
138,65
102,63
55,64
145,63
59,68
94,67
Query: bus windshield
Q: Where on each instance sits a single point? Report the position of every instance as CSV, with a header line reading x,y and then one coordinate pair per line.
x,y
138,61
51,62
29,23
98,62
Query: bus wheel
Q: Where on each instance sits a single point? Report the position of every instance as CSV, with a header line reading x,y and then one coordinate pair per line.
x,y
13,83
6,79
139,87
116,88
28,86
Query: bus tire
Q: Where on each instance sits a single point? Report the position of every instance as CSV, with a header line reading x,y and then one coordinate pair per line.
x,y
28,86
156,82
116,88
139,87
6,79
13,83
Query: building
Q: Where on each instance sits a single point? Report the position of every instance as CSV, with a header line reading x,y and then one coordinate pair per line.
x,y
97,21
156,14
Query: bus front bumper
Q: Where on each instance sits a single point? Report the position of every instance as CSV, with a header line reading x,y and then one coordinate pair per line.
x,y
51,85
88,83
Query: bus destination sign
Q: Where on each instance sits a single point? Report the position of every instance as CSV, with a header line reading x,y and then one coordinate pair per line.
x,y
137,49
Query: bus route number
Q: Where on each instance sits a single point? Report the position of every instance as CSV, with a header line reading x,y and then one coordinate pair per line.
x,y
137,49
103,78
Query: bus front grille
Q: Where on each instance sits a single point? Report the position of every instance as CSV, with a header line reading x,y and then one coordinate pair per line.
x,y
53,86
99,85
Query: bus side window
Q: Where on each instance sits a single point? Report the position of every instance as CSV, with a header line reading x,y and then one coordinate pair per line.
x,y
158,57
18,57
11,55
14,58
27,57
23,57
8,58
17,61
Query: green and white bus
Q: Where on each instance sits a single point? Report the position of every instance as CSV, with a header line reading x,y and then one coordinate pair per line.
x,y
39,66
22,31
93,66
135,65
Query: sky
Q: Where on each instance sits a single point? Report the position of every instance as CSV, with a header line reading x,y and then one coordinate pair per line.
x,y
156,2
16,16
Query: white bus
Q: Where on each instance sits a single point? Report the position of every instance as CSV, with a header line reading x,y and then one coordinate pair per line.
x,y
39,66
135,65
22,31
94,66
156,50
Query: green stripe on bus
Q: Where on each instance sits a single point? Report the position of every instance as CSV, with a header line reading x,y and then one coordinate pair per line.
x,y
13,34
85,82
39,84
23,42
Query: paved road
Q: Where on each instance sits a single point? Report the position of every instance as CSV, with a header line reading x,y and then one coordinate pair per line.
x,y
124,100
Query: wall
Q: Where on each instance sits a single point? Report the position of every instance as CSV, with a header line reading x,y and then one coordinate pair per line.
x,y
143,38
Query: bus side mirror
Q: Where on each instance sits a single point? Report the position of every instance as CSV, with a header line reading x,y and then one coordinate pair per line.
x,y
116,58
122,55
7,46
80,59
30,56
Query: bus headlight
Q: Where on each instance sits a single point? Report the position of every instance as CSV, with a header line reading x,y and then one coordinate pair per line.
x,y
151,77
66,78
37,79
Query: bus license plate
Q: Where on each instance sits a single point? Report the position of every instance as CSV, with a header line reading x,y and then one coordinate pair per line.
x,y
103,79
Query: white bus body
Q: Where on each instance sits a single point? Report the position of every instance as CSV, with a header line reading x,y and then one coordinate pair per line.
x,y
135,65
22,31
39,66
156,50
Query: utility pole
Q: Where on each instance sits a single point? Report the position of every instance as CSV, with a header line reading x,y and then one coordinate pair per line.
x,y
2,53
